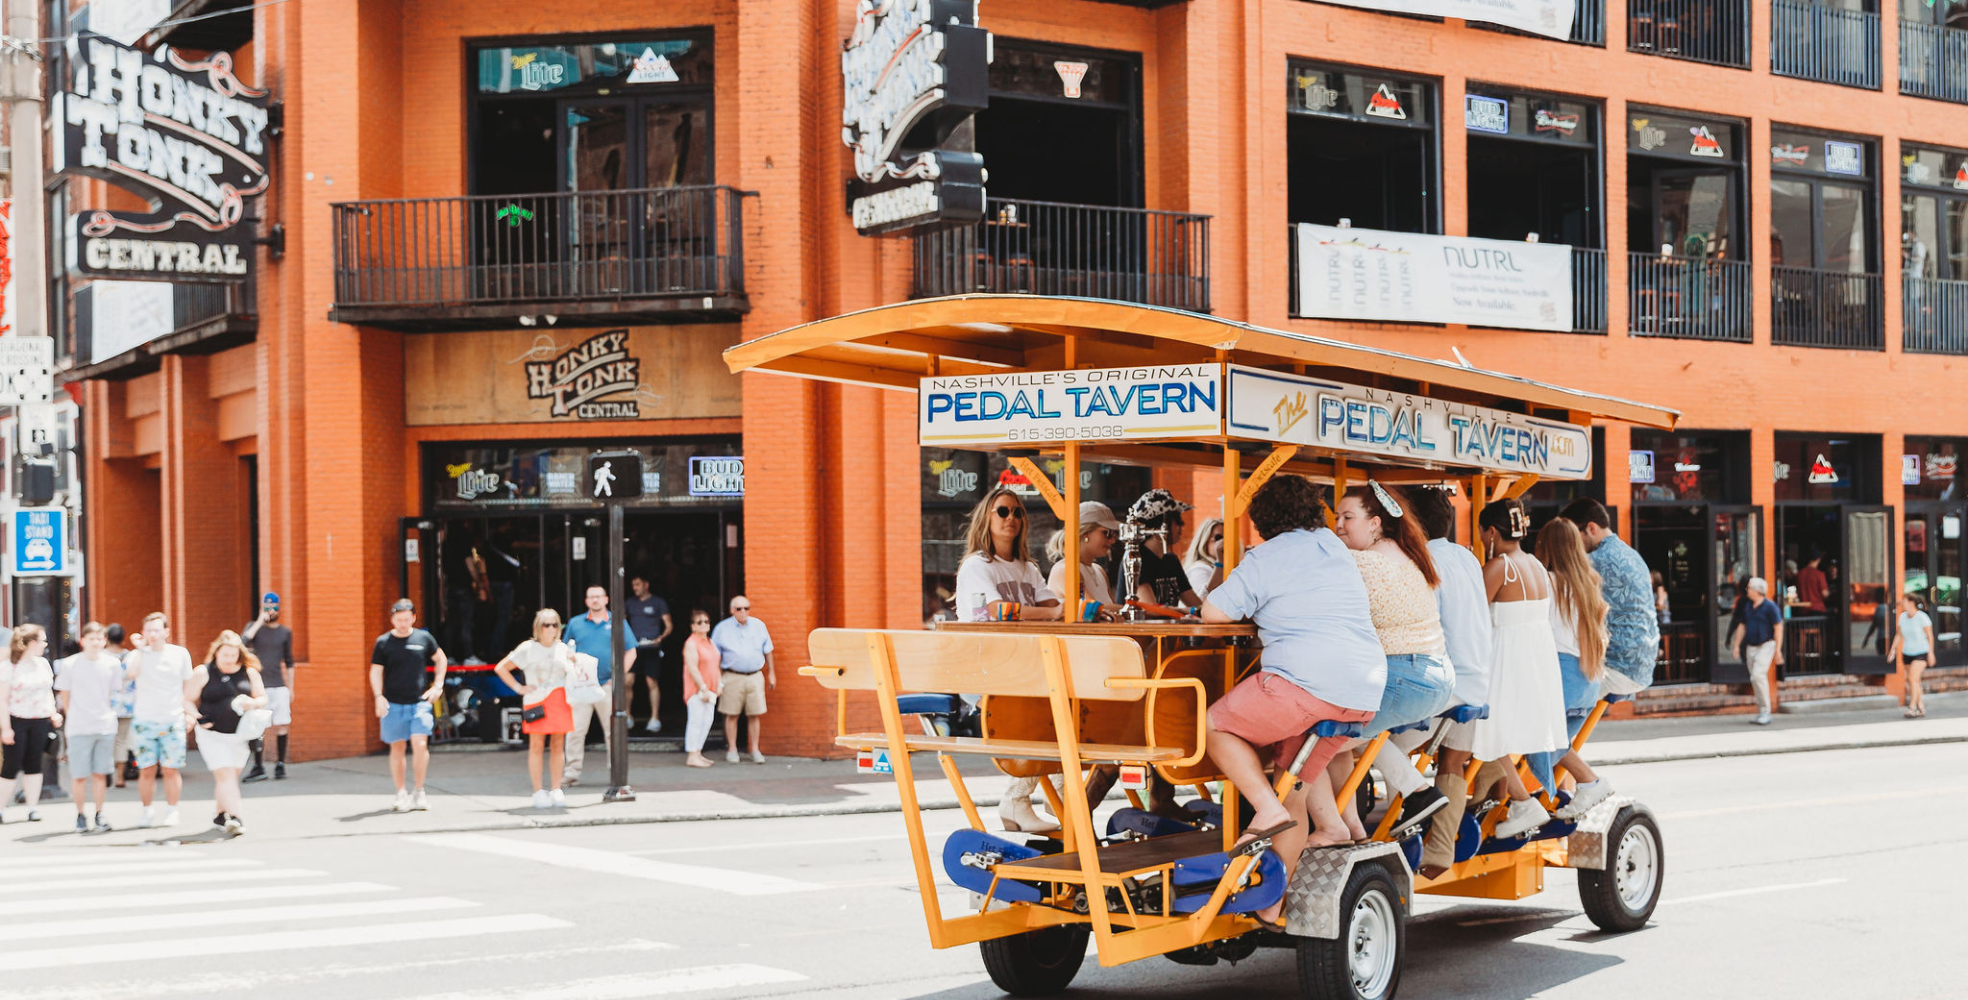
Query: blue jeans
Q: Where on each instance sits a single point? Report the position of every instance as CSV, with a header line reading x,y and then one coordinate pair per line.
x,y
1419,686
401,722
1580,696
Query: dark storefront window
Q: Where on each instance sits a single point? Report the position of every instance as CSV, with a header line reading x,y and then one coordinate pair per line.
x,y
1361,146
1685,466
1823,468
1933,465
1936,546
1533,166
1693,525
1827,490
549,476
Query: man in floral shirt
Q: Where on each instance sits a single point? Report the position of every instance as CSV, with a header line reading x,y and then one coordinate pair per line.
x,y
1633,641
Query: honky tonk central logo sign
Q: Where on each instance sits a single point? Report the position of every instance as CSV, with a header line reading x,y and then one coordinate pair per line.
x,y
579,379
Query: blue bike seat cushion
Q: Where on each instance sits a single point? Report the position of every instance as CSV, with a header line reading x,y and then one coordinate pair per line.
x,y
1328,727
1423,724
1614,699
929,704
1201,873
1466,713
976,876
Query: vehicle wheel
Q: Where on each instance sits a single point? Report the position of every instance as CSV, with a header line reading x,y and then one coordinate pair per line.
x,y
1036,963
1622,897
1364,962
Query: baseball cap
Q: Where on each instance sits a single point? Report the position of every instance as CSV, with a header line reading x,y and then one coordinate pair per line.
x,y
1759,585
270,598
402,604
1095,512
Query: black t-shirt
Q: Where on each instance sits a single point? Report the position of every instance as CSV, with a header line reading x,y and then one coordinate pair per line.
x,y
404,659
1164,573
645,617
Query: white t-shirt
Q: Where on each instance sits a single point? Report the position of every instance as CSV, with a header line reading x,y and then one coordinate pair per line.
x,y
546,668
1564,630
90,683
1199,578
1913,635
161,679
981,581
1093,582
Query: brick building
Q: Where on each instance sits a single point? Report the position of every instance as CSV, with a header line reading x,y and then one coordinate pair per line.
x,y
512,232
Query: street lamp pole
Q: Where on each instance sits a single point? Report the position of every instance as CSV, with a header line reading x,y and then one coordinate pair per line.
x,y
618,719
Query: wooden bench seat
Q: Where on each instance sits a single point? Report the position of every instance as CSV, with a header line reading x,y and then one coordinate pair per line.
x,y
1092,753
1134,856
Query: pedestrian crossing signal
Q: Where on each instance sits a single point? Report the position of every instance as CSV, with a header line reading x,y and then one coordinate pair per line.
x,y
614,476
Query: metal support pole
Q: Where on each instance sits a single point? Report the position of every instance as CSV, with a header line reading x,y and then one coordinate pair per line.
x,y
618,719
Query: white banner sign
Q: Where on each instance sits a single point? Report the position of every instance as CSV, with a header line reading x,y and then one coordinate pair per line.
x,y
1369,274
1303,410
1094,404
1551,18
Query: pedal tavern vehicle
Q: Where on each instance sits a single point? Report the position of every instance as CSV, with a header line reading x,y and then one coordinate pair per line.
x,y
1061,381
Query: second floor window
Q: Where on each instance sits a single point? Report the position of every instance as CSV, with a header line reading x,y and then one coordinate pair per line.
x,y
1934,213
1821,202
1362,147
1533,167
1684,178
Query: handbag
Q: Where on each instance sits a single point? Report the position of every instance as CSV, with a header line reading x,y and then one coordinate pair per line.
x,y
252,724
583,681
533,714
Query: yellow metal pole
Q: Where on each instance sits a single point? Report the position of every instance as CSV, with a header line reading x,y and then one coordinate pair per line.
x,y
1339,490
881,652
962,790
1071,598
1478,498
1233,519
1076,817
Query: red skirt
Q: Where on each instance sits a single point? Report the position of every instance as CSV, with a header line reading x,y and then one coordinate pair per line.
x,y
559,718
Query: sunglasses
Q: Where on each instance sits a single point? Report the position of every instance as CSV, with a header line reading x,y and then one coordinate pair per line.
x,y
741,607
549,624
1011,512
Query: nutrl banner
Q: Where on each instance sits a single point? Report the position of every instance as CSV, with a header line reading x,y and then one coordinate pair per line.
x,y
1315,412
1369,274
1552,18
1094,404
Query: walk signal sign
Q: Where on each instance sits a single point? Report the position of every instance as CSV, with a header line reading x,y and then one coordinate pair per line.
x,y
614,476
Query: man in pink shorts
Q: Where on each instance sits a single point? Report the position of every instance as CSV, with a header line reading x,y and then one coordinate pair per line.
x,y
1322,660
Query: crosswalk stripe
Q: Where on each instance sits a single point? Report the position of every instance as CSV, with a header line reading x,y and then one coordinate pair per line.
x,y
647,984
255,915
150,950
180,897
143,867
110,856
740,883
65,886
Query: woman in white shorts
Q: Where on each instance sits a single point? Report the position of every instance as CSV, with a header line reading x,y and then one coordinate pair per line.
x,y
225,688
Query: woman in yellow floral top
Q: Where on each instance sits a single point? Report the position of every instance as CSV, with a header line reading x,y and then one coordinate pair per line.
x,y
1392,553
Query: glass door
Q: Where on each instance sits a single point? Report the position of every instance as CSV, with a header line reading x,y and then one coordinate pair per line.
x,y
679,229
1864,588
1670,537
597,162
1737,555
1933,547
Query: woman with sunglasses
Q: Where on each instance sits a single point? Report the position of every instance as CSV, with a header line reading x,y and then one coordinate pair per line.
x,y
545,659
1204,560
701,686
1099,529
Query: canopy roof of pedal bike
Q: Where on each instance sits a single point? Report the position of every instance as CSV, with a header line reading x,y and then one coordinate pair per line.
x,y
1036,372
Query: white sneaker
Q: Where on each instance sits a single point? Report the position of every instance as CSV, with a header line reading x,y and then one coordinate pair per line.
x,y
402,803
418,803
1584,797
731,756
540,800
757,757
473,661
234,826
143,818
1522,818
1763,719
655,726
556,799
171,816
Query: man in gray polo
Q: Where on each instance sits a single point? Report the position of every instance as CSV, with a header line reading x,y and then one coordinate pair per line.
x,y
745,656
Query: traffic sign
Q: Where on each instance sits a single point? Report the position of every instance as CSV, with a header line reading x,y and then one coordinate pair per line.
x,y
37,427
614,476
27,370
38,543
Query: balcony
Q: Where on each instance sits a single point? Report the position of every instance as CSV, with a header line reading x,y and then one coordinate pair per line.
x,y
650,255
1588,290
1588,25
1048,248
1814,42
1813,308
1936,316
1704,31
1934,62
1690,298
205,318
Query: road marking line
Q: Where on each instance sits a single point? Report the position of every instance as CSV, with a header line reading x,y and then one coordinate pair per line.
x,y
738,883
114,856
96,953
1758,890
142,867
147,923
771,845
1805,803
625,987
181,898
66,886
261,978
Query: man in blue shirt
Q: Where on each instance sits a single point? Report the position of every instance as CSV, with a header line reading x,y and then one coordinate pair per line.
x,y
589,634
1758,642
745,656
1632,624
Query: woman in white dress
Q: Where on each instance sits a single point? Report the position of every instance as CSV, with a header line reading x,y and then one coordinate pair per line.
x,y
1527,695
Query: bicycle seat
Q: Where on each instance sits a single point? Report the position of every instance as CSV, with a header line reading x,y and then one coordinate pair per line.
x,y
1614,699
929,704
1466,713
1329,727
1422,724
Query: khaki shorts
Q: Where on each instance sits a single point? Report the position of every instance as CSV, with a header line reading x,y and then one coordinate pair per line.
x,y
742,692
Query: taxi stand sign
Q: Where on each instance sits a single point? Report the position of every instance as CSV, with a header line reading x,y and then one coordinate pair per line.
x,y
38,543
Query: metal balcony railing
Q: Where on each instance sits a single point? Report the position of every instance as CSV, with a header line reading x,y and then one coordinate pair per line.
x,y
1588,25
1813,308
1050,248
1936,316
1934,62
488,255
1695,298
192,304
1706,31
1814,42
1588,290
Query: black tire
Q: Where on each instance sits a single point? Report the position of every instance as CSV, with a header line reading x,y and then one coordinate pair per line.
x,y
1036,963
1623,896
1372,916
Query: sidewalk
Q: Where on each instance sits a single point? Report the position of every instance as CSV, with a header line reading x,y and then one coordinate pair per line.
x,y
489,791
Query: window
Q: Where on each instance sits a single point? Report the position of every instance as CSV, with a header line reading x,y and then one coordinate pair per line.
x,y
1934,213
1820,202
1827,468
1533,167
1692,465
1684,185
1064,125
1937,463
1361,146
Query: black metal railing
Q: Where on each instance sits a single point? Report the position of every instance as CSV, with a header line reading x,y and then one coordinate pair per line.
x,y
1049,248
1935,314
1813,308
1588,290
1934,61
1696,298
1588,25
1814,42
1683,655
1707,31
520,249
193,304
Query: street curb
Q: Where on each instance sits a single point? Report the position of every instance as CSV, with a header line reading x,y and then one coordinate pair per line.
x,y
987,802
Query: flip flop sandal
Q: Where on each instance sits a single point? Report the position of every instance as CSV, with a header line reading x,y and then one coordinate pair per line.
x,y
1260,840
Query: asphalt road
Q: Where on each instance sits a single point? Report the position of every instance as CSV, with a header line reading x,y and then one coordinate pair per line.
x,y
1834,874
